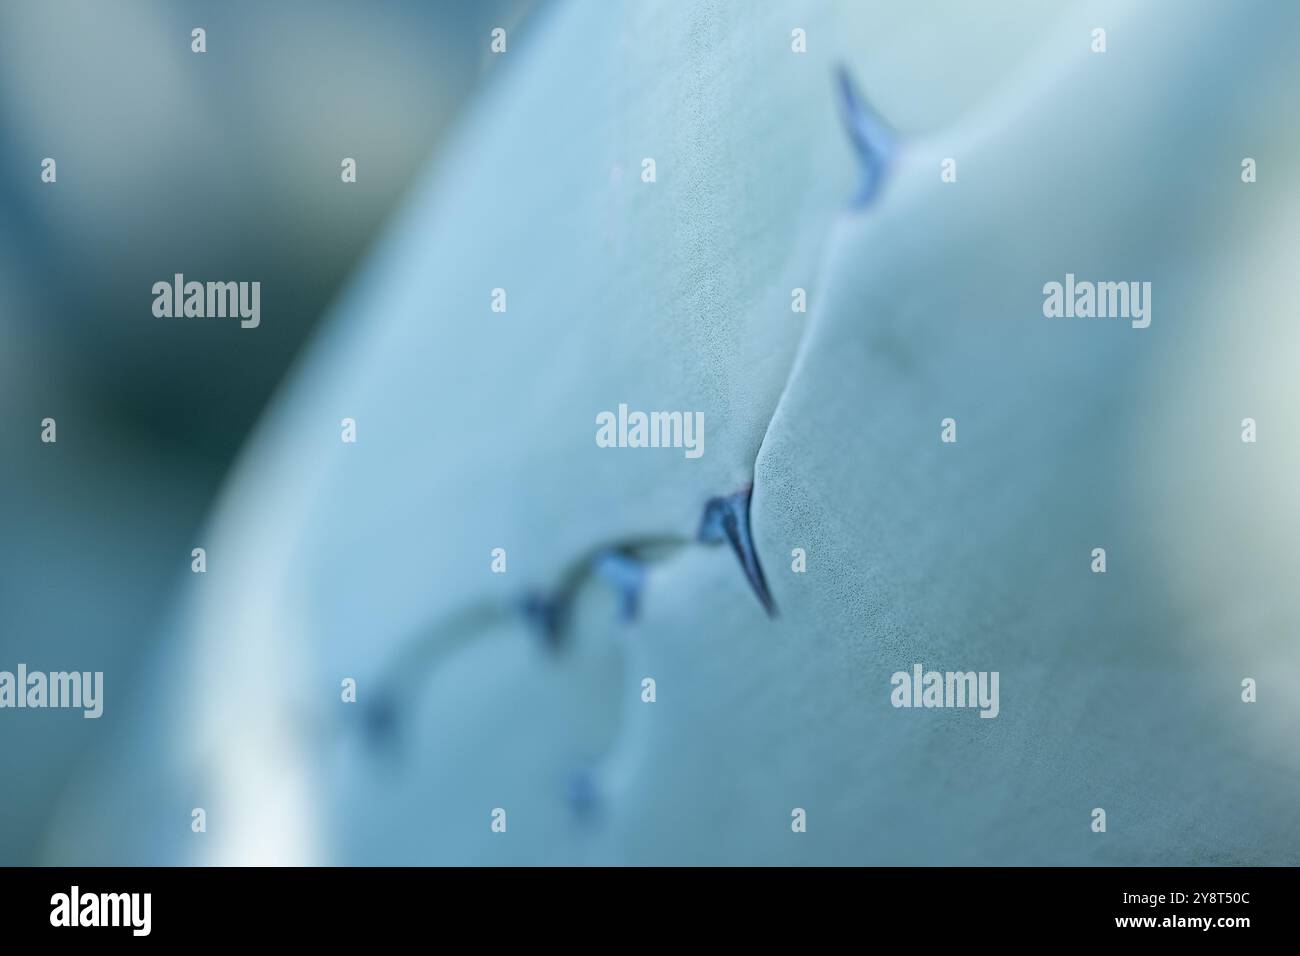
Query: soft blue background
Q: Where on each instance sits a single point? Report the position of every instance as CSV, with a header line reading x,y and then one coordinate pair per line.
x,y
475,431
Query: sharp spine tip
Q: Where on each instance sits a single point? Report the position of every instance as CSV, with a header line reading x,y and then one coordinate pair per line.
x,y
726,519
872,139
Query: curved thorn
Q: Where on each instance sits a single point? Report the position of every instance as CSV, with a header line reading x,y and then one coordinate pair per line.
x,y
546,615
626,574
582,794
872,139
727,519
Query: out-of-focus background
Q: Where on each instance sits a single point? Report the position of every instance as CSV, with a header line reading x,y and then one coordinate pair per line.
x,y
227,165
